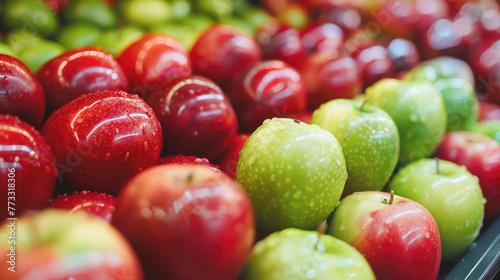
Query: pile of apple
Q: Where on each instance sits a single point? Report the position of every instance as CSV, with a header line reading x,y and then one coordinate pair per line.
x,y
228,139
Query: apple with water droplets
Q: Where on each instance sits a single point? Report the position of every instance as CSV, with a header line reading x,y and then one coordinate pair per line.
x,y
451,194
294,173
369,139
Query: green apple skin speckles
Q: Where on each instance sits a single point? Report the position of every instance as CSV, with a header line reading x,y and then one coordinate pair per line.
x,y
369,139
452,196
293,172
419,112
300,254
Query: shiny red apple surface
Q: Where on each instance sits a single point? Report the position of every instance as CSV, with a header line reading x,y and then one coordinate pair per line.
x,y
481,156
20,92
229,161
195,223
322,37
272,88
153,60
373,62
79,71
101,140
196,117
223,54
183,159
27,168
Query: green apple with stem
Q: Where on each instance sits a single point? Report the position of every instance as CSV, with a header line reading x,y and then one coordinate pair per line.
x,y
418,110
451,194
369,138
293,172
301,255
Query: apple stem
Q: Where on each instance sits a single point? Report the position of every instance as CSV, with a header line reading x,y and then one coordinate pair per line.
x,y
391,198
437,165
364,102
296,120
189,177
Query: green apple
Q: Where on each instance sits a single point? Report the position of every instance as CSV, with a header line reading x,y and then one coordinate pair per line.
x,y
37,55
54,245
22,38
301,255
180,9
94,12
489,128
78,35
418,110
146,12
293,172
6,49
451,194
33,15
369,138
185,34
442,67
219,9
115,41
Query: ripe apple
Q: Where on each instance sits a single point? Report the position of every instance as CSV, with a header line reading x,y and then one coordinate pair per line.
x,y
418,110
397,236
481,155
27,168
54,245
300,254
20,92
369,139
195,223
451,194
100,140
442,67
488,111
183,159
96,204
293,172
229,160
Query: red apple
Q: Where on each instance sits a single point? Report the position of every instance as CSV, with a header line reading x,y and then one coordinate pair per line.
x,y
229,161
196,117
485,62
20,92
54,245
195,223
373,62
481,156
153,60
488,111
270,89
404,54
96,204
428,11
327,76
27,168
398,237
322,37
101,140
79,71
183,159
346,17
223,54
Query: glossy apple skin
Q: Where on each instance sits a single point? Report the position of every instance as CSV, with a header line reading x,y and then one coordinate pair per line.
x,y
270,89
481,155
101,140
196,117
347,18
153,60
396,18
223,54
293,172
229,160
77,72
195,223
293,253
486,64
327,76
373,62
281,42
20,92
369,139
419,112
404,54
442,67
322,37
24,152
95,204
453,197
399,240
182,159
61,246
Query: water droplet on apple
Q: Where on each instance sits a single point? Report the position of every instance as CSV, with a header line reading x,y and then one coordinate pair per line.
x,y
297,194
145,130
126,157
272,178
287,194
5,80
108,156
79,120
145,146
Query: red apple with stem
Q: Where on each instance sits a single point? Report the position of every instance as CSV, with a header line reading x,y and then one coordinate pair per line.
x,y
100,205
101,140
398,237
27,168
79,71
271,88
20,92
195,223
196,117
153,60
481,156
